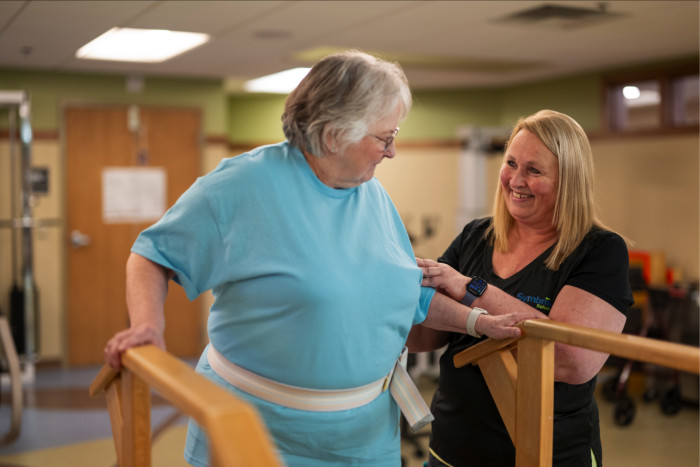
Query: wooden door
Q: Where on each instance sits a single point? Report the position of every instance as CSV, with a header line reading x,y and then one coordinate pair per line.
x,y
119,137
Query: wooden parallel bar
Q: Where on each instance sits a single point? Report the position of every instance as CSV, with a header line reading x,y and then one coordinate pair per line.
x,y
237,433
136,427
113,394
500,373
534,415
108,382
534,381
475,353
669,354
102,381
10,352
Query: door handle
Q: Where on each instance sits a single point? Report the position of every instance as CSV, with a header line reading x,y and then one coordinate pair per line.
x,y
79,239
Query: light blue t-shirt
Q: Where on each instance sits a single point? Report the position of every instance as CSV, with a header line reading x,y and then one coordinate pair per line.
x,y
314,287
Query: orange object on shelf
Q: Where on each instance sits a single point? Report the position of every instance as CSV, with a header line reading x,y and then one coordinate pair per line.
x,y
653,265
638,257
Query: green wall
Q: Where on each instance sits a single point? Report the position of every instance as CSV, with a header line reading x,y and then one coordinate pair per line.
x,y
255,118
579,97
50,91
252,119
436,115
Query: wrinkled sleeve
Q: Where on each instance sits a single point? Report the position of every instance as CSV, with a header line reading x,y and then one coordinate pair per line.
x,y
426,293
186,240
426,296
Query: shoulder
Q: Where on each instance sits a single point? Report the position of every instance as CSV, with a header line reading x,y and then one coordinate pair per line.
x,y
374,187
254,168
604,242
601,266
602,253
242,176
476,230
371,196
467,245
247,163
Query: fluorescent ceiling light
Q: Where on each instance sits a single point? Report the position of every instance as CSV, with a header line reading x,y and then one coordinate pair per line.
x,y
140,45
280,83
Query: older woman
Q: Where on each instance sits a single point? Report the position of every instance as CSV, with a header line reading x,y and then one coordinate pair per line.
x,y
312,271
542,249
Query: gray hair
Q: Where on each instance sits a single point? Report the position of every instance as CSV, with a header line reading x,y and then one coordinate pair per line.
x,y
341,97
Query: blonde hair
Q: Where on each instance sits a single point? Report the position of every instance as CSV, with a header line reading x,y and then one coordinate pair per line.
x,y
574,209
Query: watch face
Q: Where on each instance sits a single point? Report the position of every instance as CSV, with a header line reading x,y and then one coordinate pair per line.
x,y
477,286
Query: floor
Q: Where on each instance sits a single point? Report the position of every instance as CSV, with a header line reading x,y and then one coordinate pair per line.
x,y
63,427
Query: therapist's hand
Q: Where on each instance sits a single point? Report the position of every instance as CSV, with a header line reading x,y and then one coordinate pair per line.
x,y
502,326
442,277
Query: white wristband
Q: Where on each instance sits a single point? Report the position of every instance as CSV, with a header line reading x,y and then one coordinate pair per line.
x,y
471,321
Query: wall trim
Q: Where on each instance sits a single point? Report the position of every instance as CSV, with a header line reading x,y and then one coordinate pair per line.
x,y
37,135
454,143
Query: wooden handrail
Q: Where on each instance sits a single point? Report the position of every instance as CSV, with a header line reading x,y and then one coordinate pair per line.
x,y
482,349
524,390
7,344
237,434
104,378
644,349
669,354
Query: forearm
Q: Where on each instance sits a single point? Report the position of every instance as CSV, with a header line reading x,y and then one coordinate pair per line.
x,y
424,339
445,314
575,365
572,305
146,290
493,299
454,284
498,302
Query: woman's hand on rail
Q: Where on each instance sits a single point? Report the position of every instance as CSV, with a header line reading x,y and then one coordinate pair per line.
x,y
501,326
443,278
142,334
446,314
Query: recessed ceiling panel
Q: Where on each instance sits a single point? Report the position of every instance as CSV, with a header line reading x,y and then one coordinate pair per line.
x,y
440,43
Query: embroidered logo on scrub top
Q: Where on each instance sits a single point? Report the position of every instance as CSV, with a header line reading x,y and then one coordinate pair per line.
x,y
542,304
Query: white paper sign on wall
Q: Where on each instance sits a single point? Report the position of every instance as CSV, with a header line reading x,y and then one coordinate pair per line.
x,y
133,194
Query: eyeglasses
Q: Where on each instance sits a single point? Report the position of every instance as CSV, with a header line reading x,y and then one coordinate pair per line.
x,y
387,141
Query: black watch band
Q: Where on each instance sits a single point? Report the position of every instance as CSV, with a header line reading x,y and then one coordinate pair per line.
x,y
475,288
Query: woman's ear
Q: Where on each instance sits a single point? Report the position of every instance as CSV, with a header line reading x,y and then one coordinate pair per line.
x,y
330,139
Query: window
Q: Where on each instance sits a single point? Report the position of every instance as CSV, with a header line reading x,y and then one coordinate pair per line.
x,y
635,106
653,102
685,100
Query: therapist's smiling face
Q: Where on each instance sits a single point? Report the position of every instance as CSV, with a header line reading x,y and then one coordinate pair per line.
x,y
529,180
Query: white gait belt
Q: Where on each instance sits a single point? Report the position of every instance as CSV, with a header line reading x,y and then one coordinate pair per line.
x,y
399,383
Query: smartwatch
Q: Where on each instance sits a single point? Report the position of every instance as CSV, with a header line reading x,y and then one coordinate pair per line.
x,y
471,321
475,288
